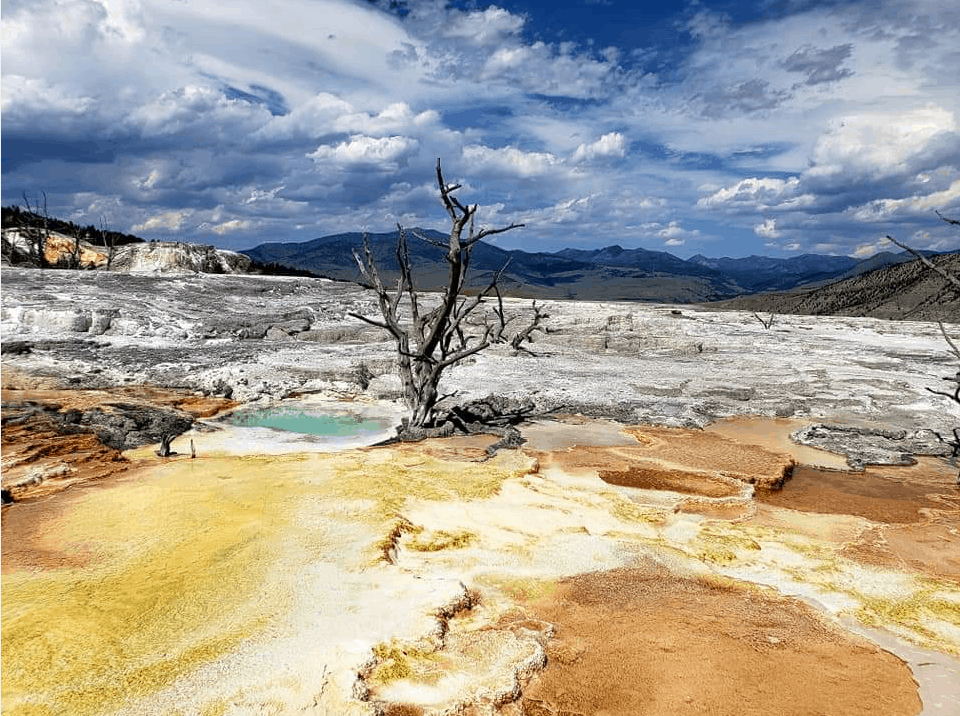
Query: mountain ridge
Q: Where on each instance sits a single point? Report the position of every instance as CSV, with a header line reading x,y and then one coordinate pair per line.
x,y
608,273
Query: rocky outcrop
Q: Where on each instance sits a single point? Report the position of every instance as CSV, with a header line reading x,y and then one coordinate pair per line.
x,y
120,426
872,446
155,257
166,257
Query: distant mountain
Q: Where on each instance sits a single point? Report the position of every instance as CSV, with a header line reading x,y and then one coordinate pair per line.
x,y
906,290
762,273
610,273
538,275
639,258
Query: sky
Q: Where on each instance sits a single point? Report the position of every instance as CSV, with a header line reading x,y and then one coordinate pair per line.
x,y
771,127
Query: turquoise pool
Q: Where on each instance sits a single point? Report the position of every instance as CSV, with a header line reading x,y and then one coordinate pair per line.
x,y
300,420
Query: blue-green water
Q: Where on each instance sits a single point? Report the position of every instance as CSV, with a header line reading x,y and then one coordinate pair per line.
x,y
296,420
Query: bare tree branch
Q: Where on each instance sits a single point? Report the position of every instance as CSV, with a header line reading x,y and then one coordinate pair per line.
x,y
955,222
955,396
927,262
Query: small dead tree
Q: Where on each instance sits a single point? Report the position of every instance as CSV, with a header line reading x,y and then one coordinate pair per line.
x,y
437,339
165,441
522,336
766,323
109,240
37,228
954,396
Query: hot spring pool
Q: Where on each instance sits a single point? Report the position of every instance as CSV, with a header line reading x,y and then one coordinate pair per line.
x,y
304,424
300,419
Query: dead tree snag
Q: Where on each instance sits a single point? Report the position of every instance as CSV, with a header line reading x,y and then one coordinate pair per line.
x,y
436,339
953,395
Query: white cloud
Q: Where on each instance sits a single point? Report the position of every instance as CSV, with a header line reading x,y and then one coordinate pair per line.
x,y
916,205
232,225
824,122
767,229
676,233
384,153
171,220
871,146
758,194
483,27
673,233
198,108
259,195
866,250
397,117
609,145
509,160
540,69
312,118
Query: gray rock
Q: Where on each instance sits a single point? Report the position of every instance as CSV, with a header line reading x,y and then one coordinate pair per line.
x,y
276,334
871,446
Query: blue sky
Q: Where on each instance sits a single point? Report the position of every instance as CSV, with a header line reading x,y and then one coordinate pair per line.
x,y
775,127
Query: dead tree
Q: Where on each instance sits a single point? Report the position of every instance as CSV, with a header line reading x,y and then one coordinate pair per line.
x,y
109,240
165,441
766,323
37,229
954,443
436,339
954,396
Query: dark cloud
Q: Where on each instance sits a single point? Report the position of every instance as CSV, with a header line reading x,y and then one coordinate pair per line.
x,y
818,65
263,96
745,97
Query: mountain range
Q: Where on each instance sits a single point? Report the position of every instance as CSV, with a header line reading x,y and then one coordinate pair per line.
x,y
609,273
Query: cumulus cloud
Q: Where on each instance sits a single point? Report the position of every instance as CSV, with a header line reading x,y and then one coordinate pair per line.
x,y
767,229
758,194
397,117
170,220
866,250
886,209
483,27
873,146
673,234
612,144
542,69
380,153
510,160
198,109
834,120
232,225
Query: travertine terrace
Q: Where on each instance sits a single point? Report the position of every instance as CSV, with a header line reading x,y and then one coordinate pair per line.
x,y
274,574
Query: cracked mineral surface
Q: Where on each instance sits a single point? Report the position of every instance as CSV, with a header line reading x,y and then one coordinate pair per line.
x,y
633,556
